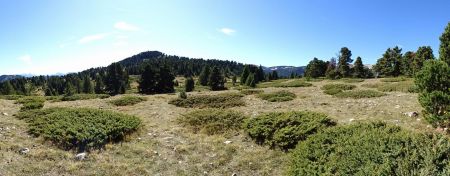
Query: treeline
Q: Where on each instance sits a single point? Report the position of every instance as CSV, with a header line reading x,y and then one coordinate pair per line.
x,y
114,78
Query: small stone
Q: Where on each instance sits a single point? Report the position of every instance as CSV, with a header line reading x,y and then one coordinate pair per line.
x,y
5,114
139,138
204,172
234,174
24,151
412,114
351,120
155,152
397,106
227,142
418,119
80,156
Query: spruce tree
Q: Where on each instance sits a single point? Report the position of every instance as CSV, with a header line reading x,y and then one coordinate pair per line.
x,y
390,63
69,89
316,68
216,80
165,81
148,81
87,85
444,47
358,68
116,80
99,86
259,76
274,75
245,74
189,84
233,80
343,67
203,77
407,61
331,73
251,82
7,88
423,53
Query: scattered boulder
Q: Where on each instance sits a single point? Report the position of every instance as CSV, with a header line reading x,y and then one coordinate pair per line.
x,y
24,151
80,156
411,114
227,142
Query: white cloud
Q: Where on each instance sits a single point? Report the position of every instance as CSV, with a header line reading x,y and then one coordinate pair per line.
x,y
26,59
92,38
125,26
228,31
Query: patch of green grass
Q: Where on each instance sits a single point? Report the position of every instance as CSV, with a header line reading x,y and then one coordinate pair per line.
x,y
251,91
127,100
285,83
371,85
394,79
352,80
84,97
404,86
286,129
81,128
371,149
278,96
11,97
357,94
212,121
333,89
224,100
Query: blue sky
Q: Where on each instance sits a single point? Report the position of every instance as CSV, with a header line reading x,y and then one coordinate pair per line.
x,y
51,36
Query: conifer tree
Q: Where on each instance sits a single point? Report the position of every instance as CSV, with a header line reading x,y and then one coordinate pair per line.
x,y
87,85
444,47
407,61
343,67
316,68
259,76
245,74
358,68
423,53
274,75
116,80
233,80
189,84
251,82
69,89
390,63
148,81
6,88
216,80
203,78
99,86
165,81
331,73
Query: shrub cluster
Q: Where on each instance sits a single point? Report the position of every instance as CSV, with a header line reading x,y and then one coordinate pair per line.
x,y
251,91
394,79
128,100
359,94
333,89
286,129
278,96
31,102
82,128
404,86
352,80
224,100
212,121
84,97
285,83
371,149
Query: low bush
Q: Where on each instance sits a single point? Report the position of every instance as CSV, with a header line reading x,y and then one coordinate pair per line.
x,y
371,149
84,97
359,94
82,128
286,129
394,79
11,97
333,89
224,100
212,121
128,100
285,83
251,91
352,80
404,86
31,102
278,96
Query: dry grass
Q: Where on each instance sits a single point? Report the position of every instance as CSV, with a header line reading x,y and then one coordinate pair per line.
x,y
164,147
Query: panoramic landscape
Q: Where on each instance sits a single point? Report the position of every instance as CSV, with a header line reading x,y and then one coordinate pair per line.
x,y
187,88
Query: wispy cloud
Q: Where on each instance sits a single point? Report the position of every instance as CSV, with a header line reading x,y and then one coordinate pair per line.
x,y
126,26
92,38
26,59
227,31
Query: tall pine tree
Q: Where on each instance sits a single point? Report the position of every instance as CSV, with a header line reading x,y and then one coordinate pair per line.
x,y
165,81
423,53
390,63
87,85
444,47
203,78
245,74
116,80
358,68
345,58
216,80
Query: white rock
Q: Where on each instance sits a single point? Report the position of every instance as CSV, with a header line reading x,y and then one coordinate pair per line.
x,y
24,150
351,120
139,138
5,114
80,156
397,106
411,114
227,142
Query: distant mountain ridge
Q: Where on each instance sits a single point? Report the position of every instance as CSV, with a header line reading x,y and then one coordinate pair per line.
x,y
285,71
4,78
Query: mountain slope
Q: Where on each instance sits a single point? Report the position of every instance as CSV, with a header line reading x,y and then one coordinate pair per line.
x,y
285,71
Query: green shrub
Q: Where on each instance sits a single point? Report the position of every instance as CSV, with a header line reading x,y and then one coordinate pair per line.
x,y
285,129
278,96
127,100
285,83
371,85
404,86
84,97
11,97
433,83
212,121
182,95
224,100
332,91
31,102
338,86
82,128
371,149
251,91
359,94
352,80
394,79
